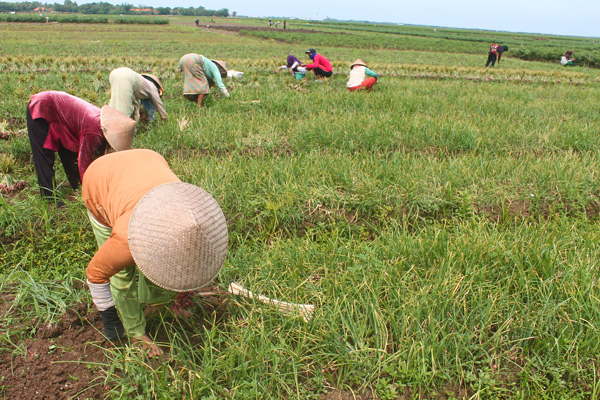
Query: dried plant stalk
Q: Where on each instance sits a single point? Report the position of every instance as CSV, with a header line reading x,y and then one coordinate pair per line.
x,y
305,310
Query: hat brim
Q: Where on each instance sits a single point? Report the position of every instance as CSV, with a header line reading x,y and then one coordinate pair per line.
x,y
118,128
178,237
222,67
154,79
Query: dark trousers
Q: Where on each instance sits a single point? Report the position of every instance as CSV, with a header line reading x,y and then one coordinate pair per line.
x,y
43,159
491,59
320,72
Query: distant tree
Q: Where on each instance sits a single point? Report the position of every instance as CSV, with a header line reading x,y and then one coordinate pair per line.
x,y
164,10
234,14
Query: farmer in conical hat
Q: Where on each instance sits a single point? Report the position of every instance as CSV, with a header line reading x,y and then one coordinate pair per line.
x,y
157,235
357,80
77,130
199,74
128,88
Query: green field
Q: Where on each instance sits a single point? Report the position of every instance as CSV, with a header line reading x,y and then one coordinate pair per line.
x,y
445,225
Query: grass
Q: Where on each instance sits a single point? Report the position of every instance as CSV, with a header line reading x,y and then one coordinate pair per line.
x,y
445,225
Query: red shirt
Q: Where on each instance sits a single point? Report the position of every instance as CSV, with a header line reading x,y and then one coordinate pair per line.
x,y
74,125
320,62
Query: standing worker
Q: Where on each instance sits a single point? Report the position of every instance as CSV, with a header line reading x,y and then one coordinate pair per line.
x,y
199,74
320,66
357,80
156,235
127,88
77,130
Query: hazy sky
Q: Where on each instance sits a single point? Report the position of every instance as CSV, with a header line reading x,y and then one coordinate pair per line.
x,y
562,17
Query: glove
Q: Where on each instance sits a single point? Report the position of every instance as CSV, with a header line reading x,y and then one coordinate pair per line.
x,y
225,92
113,328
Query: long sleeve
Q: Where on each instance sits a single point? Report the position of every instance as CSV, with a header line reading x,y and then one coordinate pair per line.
x,y
149,91
368,72
112,256
212,72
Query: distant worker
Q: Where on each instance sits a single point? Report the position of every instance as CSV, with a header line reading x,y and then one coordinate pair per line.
x,y
293,65
320,66
127,88
361,77
567,59
277,24
284,23
270,23
197,21
199,74
494,53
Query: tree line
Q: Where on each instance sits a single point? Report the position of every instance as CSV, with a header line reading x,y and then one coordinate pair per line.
x,y
107,8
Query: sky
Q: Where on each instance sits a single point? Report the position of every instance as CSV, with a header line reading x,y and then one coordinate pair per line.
x,y
559,17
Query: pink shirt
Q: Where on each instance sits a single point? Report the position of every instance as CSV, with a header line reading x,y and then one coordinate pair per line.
x,y
74,125
320,62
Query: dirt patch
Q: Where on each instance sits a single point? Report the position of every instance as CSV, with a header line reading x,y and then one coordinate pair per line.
x,y
59,362
64,360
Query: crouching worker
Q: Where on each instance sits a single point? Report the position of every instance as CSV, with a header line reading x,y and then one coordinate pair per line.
x,y
199,74
358,77
128,89
156,236
293,65
77,130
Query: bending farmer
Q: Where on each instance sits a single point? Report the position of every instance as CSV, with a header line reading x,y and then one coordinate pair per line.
x,y
293,65
77,130
157,235
128,88
199,74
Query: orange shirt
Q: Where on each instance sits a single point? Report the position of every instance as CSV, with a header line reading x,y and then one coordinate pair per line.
x,y
112,187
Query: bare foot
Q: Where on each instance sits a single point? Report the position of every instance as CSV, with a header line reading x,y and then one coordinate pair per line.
x,y
148,346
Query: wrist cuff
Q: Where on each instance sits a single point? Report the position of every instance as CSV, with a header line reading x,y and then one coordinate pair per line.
x,y
101,295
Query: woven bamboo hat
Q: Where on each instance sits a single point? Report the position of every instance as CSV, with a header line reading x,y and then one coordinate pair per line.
x,y
117,127
358,62
222,67
154,79
178,236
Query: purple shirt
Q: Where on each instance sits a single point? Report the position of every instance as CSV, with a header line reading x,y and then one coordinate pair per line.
x,y
74,125
291,60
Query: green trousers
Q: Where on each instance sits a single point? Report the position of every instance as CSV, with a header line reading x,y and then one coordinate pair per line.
x,y
131,290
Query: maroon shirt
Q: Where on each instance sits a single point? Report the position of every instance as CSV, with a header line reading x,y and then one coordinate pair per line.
x,y
74,125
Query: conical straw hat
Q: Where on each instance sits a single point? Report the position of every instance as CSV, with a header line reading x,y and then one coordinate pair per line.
x,y
358,62
118,128
178,236
222,67
154,79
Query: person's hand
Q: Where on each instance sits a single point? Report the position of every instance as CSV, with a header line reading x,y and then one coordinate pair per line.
x,y
225,93
148,346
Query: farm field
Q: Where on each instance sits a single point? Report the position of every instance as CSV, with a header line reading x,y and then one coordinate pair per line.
x,y
445,225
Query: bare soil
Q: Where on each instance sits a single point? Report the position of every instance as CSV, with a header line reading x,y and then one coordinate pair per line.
x,y
60,361
64,360
237,28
